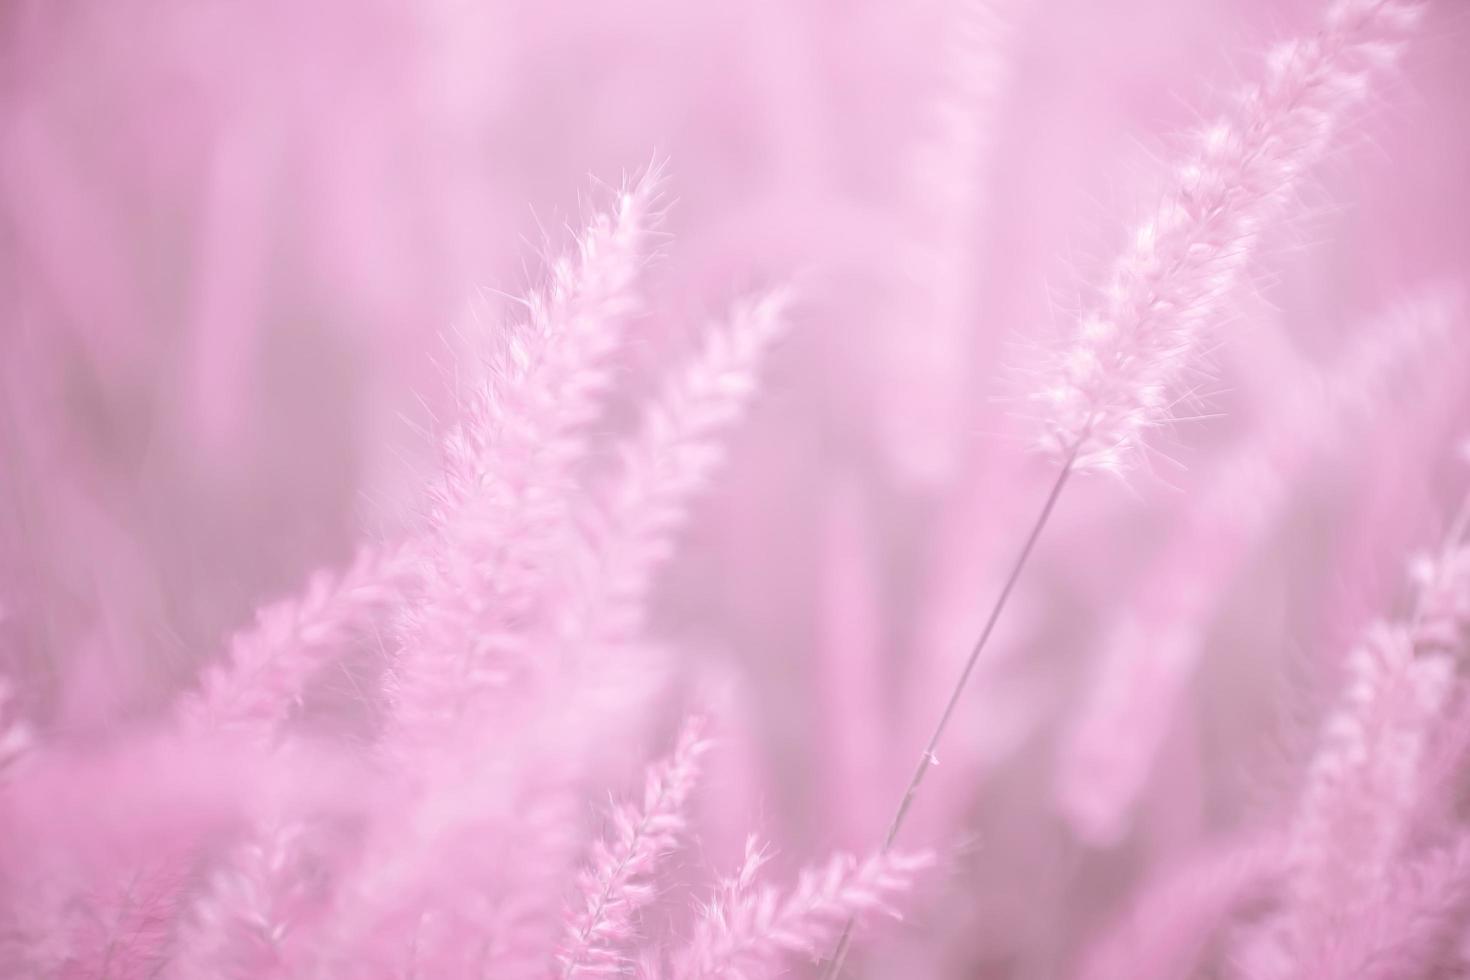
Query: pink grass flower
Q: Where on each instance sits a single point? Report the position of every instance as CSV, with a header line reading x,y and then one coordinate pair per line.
x,y
748,929
268,667
1356,820
1123,370
673,454
229,234
619,879
501,512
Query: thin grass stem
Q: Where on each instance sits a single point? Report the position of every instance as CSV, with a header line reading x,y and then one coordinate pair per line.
x,y
928,757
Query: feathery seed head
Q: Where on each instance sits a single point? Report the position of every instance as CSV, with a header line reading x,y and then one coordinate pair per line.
x,y
1106,390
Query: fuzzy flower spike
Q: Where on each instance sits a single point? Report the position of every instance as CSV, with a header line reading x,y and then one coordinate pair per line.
x,y
1125,365
1121,372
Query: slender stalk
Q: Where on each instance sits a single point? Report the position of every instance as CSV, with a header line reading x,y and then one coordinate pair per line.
x,y
928,757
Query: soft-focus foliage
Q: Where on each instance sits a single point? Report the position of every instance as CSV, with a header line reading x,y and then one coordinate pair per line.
x,y
418,559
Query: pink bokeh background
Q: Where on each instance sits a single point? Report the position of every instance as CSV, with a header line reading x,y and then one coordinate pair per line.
x,y
239,245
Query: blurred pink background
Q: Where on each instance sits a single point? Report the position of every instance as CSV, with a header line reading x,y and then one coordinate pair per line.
x,y
237,242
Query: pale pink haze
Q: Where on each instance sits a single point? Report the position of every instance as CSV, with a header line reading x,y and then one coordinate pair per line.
x,y
970,489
